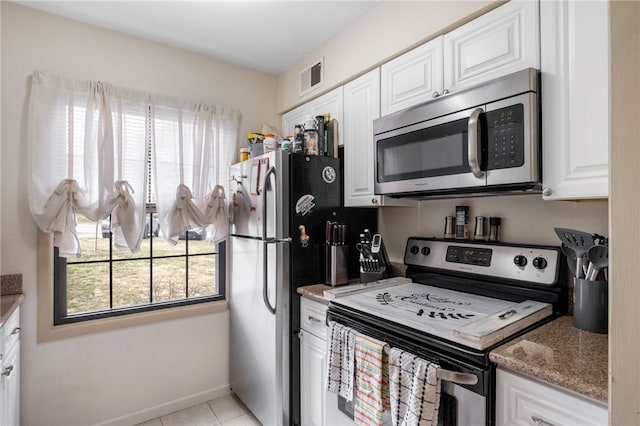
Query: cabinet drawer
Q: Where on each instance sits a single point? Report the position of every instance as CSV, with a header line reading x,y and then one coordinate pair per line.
x,y
312,317
11,331
523,401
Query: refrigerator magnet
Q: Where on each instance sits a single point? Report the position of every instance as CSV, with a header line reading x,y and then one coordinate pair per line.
x,y
305,204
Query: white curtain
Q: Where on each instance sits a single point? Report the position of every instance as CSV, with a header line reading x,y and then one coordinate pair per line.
x,y
89,146
193,146
87,143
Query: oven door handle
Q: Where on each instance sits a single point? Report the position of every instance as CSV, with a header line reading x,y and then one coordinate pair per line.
x,y
472,146
457,377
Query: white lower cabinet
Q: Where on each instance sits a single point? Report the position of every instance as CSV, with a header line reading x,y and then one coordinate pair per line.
x,y
523,401
313,353
10,371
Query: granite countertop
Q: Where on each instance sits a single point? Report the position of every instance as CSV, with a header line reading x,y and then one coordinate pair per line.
x,y
10,295
561,354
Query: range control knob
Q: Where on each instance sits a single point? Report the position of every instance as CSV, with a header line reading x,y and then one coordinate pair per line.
x,y
539,263
520,260
414,249
425,251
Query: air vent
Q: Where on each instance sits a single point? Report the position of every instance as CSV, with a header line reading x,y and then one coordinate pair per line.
x,y
311,77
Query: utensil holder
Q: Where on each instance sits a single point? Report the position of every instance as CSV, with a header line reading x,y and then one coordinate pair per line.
x,y
591,305
335,265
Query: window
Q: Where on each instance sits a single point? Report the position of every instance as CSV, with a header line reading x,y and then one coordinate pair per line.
x,y
106,282
155,168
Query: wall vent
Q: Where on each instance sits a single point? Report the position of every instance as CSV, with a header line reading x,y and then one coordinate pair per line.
x,y
311,77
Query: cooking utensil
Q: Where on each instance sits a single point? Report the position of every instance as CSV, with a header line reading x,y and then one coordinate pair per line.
x,y
579,241
571,258
599,258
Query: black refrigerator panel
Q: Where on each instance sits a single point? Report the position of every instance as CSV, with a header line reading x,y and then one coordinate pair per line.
x,y
314,196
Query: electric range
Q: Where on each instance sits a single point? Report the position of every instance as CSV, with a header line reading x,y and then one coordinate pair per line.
x,y
460,300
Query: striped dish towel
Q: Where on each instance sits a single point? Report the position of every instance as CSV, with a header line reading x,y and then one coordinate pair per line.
x,y
414,389
371,381
340,368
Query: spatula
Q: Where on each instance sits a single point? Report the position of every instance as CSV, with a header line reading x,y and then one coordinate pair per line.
x,y
579,241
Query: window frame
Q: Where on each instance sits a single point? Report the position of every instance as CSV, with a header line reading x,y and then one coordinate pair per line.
x,y
48,332
60,315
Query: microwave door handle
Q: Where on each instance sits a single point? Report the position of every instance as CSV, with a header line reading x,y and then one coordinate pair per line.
x,y
472,151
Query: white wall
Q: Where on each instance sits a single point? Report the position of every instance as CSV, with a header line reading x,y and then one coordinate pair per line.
x,y
525,219
91,379
388,30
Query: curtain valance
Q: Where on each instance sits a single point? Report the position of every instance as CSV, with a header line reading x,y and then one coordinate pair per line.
x,y
94,146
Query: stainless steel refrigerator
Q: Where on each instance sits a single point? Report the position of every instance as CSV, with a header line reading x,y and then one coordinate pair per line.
x,y
279,206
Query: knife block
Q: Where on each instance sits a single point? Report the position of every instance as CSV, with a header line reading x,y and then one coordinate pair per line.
x,y
335,265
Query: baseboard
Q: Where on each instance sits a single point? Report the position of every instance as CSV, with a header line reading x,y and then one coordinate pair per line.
x,y
166,408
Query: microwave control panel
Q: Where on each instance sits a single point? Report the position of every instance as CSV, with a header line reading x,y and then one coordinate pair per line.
x,y
505,127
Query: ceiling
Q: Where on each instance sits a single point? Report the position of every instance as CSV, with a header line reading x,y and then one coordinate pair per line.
x,y
267,35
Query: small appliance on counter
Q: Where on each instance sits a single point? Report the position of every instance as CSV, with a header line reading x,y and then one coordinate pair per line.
x,y
374,261
336,255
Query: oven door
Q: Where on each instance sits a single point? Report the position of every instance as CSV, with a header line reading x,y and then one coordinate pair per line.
x,y
458,407
439,154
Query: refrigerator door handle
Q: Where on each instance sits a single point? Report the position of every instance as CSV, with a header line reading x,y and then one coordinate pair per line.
x,y
266,241
271,171
265,279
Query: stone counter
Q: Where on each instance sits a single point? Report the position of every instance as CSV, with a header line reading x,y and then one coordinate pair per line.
x,y
10,295
562,354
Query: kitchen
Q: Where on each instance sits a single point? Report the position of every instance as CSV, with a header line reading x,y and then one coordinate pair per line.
x,y
63,380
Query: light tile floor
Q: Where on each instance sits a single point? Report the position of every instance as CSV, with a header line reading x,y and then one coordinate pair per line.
x,y
225,411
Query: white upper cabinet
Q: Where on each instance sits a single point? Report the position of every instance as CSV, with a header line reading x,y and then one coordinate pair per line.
x,y
412,78
498,43
331,102
291,118
361,107
575,99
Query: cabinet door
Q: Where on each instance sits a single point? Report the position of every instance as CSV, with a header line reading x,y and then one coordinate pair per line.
x,y
331,103
575,99
497,43
361,107
522,401
293,117
412,78
11,387
312,379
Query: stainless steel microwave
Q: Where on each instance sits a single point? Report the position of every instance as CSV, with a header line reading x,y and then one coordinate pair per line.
x,y
479,140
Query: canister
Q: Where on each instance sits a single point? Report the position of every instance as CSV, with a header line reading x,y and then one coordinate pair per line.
x,y
270,143
244,154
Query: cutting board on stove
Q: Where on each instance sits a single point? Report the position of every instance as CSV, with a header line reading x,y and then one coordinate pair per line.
x,y
500,325
358,288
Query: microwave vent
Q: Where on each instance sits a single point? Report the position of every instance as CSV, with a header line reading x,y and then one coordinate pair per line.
x,y
311,77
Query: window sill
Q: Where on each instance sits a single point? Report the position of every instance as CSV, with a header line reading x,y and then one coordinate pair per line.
x,y
48,332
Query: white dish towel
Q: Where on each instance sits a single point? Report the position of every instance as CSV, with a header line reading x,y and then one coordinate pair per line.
x,y
341,361
414,389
